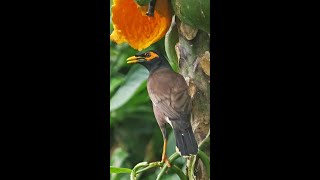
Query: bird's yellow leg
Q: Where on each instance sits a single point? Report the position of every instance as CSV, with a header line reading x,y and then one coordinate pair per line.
x,y
164,155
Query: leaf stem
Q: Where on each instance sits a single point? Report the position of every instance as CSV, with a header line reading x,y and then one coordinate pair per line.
x,y
179,172
205,142
133,172
172,158
151,165
190,165
205,159
145,165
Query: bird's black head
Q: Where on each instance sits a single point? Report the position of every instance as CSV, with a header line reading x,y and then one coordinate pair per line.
x,y
151,59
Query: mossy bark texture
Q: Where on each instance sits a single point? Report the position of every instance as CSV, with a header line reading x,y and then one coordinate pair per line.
x,y
188,47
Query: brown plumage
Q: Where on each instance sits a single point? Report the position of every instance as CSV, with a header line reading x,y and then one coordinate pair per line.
x,y
168,92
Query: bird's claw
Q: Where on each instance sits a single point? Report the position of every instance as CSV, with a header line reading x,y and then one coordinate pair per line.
x,y
166,160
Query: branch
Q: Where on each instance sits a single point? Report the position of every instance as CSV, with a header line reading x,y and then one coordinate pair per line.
x,y
151,165
133,172
191,164
172,158
205,142
179,172
145,165
205,159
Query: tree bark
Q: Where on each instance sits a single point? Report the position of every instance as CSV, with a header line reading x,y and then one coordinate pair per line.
x,y
193,52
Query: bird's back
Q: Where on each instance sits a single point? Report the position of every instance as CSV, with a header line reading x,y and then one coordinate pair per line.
x,y
170,88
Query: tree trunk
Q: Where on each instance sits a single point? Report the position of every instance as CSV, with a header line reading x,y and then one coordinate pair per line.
x,y
194,64
187,46
192,56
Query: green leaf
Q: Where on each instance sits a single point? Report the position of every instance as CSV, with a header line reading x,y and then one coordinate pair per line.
x,y
118,157
171,39
119,170
135,77
142,2
114,83
195,13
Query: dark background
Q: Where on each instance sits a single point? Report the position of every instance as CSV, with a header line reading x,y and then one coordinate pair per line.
x,y
55,99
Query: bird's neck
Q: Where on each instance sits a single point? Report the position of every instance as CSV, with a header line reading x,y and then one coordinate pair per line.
x,y
162,64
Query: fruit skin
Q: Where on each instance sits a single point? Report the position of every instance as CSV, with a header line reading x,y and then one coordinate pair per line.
x,y
132,25
171,39
142,2
195,13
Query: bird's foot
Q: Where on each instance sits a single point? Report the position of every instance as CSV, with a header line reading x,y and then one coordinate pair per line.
x,y
166,160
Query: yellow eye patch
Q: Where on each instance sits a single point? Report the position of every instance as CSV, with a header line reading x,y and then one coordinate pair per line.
x,y
150,56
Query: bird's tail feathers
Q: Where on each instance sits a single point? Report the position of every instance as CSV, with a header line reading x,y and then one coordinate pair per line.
x,y
186,143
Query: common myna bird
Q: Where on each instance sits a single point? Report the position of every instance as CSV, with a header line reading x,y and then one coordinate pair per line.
x,y
168,92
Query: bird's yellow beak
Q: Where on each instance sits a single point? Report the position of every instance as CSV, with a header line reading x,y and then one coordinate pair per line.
x,y
135,59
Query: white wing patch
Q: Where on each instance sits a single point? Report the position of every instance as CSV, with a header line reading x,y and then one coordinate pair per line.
x,y
168,121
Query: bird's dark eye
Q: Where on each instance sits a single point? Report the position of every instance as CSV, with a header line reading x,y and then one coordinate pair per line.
x,y
147,54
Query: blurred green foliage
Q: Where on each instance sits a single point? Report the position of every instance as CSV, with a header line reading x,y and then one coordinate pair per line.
x,y
134,133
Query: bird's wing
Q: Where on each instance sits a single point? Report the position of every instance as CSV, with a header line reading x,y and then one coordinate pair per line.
x,y
163,103
170,98
169,93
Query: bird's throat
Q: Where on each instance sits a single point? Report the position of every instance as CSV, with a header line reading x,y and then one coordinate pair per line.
x,y
152,67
